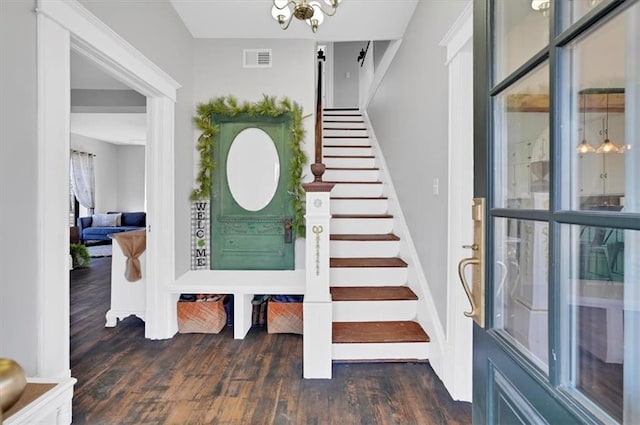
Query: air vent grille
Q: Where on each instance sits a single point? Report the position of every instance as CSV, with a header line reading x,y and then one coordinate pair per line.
x,y
257,58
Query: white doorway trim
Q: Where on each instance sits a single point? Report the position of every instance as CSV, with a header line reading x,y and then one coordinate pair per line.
x,y
459,345
63,25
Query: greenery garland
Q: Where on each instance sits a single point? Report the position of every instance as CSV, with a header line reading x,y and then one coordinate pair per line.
x,y
268,106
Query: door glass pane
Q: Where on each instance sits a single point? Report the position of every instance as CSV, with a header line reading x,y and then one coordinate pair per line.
x,y
520,292
521,119
521,30
600,298
576,9
603,72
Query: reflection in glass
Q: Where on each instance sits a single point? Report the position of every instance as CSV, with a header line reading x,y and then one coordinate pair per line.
x,y
576,9
598,268
601,68
522,29
520,294
522,143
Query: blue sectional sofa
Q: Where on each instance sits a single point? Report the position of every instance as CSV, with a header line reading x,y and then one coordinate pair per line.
x,y
106,224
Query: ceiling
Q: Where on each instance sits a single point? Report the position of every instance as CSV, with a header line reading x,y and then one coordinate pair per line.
x,y
355,20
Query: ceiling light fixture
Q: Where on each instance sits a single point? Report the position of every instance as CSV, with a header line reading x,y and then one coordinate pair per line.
x,y
607,145
311,12
584,146
541,6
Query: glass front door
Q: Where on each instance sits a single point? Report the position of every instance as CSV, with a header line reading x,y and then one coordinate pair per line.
x,y
557,147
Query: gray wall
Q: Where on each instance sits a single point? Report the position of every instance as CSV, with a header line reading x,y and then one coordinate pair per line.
x,y
345,90
155,29
18,184
409,115
131,178
219,72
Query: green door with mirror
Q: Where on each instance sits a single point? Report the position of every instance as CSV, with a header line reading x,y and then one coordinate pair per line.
x,y
557,157
251,209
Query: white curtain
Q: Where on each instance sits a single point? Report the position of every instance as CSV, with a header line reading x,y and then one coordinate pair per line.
x,y
83,178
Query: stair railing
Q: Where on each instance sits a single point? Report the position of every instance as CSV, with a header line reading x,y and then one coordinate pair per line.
x,y
317,308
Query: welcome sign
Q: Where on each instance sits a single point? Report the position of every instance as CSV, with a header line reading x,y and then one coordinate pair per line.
x,y
200,236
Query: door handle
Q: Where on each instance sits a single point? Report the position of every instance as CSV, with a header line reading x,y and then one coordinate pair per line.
x,y
463,278
288,231
475,291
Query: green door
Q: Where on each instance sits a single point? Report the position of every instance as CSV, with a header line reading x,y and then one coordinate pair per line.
x,y
251,210
557,157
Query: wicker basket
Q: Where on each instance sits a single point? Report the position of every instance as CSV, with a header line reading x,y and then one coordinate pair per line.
x,y
283,317
201,317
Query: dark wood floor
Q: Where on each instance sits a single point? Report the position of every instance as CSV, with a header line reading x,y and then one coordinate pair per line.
x,y
124,378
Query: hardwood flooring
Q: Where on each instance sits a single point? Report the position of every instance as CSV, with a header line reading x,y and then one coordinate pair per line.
x,y
124,378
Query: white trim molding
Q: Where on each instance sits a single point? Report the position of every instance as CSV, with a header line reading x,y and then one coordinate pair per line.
x,y
457,371
63,25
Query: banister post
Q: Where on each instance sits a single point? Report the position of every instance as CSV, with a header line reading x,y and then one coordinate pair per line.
x,y
317,308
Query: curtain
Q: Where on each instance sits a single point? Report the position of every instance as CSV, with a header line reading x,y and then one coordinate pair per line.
x,y
83,178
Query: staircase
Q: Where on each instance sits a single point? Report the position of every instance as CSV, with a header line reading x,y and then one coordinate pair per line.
x,y
374,310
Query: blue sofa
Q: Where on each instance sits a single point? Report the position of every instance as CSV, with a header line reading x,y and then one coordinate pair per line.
x,y
128,221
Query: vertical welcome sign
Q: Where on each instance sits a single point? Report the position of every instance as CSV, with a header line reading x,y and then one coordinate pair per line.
x,y
200,235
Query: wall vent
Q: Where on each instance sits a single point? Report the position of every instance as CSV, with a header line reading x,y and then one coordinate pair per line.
x,y
256,58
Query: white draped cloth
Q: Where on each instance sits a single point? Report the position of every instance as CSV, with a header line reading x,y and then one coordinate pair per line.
x,y
83,178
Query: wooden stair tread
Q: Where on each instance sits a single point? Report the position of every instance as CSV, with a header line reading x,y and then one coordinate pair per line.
x,y
340,109
358,237
348,146
367,262
352,168
335,182
378,332
372,293
345,128
345,137
349,156
342,121
362,216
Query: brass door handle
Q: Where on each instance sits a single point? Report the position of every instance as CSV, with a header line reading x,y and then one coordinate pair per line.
x,y
463,279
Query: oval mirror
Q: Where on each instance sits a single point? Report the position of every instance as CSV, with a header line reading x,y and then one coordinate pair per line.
x,y
253,169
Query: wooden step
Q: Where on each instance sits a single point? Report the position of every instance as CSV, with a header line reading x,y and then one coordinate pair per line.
x,y
362,216
372,293
341,109
393,262
341,121
353,168
378,332
367,238
348,146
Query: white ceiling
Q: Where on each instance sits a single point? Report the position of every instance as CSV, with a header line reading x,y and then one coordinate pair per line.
x,y
117,128
355,20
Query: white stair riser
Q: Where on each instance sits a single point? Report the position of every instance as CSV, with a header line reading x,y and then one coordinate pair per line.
x,y
341,115
359,206
361,226
381,351
348,151
373,311
351,190
351,175
360,141
349,163
376,249
345,124
345,133
367,276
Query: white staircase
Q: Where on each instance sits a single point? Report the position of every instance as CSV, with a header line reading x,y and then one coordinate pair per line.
x,y
374,310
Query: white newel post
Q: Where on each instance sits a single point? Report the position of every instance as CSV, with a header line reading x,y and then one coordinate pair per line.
x,y
317,310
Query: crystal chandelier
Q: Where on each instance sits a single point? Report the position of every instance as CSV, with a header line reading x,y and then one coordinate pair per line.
x,y
311,12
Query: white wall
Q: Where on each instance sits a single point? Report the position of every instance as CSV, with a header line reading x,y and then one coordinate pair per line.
x,y
409,115
131,174
119,173
219,72
18,184
345,73
154,28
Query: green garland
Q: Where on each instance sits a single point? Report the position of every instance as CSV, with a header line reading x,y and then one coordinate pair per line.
x,y
268,106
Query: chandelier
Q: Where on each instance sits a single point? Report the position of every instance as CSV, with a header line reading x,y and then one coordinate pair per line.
x,y
311,12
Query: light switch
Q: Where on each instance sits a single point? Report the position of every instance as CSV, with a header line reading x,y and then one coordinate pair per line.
x,y
436,186
347,75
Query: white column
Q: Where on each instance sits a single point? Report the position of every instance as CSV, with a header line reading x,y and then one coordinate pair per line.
x,y
317,309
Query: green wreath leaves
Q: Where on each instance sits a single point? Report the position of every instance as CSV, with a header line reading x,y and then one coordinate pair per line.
x,y
268,106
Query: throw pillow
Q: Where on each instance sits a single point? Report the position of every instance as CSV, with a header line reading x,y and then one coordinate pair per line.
x,y
105,220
